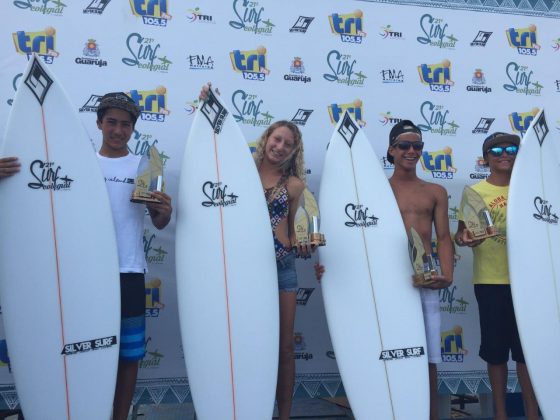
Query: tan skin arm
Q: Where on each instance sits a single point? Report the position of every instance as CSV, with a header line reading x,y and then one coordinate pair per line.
x,y
444,244
462,237
160,213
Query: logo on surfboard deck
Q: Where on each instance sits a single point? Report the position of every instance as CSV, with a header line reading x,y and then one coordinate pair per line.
x,y
88,345
401,353
38,81
348,129
48,177
541,128
218,195
214,112
544,211
359,216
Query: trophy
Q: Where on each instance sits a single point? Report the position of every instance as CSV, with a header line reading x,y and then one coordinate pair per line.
x,y
476,216
422,262
306,223
150,177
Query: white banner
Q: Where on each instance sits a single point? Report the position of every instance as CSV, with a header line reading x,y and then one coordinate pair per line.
x,y
459,74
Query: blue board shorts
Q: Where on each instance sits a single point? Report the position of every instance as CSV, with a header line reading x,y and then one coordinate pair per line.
x,y
133,321
287,276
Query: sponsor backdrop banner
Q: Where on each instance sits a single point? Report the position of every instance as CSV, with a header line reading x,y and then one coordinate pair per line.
x,y
458,70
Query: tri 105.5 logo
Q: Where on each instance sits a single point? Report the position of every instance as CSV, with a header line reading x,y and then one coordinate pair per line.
x,y
153,298
355,109
437,76
520,121
41,43
439,163
524,39
251,63
152,12
342,70
349,26
152,103
452,349
435,33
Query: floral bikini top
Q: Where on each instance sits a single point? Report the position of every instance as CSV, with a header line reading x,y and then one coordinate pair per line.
x,y
278,207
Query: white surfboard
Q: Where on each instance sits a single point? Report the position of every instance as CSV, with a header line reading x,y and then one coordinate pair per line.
x,y
227,286
533,243
373,312
59,281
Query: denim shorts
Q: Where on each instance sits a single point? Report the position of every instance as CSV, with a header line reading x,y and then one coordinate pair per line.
x,y
287,276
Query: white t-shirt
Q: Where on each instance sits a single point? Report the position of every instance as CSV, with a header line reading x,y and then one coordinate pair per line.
x,y
128,217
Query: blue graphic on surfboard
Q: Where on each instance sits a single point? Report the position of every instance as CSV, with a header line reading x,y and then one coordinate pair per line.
x,y
227,285
59,273
533,243
373,312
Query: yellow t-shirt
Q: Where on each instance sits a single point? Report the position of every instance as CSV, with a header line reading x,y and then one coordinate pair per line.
x,y
490,264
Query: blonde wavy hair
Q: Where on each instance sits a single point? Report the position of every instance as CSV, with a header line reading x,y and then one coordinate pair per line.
x,y
294,165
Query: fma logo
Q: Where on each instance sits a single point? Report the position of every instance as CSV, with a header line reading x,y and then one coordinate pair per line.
x,y
520,121
91,104
524,39
49,7
152,103
297,71
439,163
249,18
481,39
200,62
388,33
302,24
96,7
348,26
251,63
452,349
387,118
153,298
521,80
392,76
248,109
483,125
437,76
41,43
435,33
302,115
153,12
194,15
91,54
342,70
143,54
437,120
355,109
479,83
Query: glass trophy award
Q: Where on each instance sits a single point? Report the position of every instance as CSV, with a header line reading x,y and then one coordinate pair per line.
x,y
476,215
149,178
422,262
306,223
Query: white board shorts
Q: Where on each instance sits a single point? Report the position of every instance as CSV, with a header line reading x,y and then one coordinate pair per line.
x,y
432,323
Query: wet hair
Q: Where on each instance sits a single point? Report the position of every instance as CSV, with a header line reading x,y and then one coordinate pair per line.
x,y
294,165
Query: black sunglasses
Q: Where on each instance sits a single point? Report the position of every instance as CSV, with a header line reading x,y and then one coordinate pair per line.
x,y
497,151
405,145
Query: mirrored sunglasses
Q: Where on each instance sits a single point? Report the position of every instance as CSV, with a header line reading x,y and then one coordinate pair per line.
x,y
405,145
497,151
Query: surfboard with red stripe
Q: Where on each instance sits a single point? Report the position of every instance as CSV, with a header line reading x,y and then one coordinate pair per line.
x,y
227,287
59,283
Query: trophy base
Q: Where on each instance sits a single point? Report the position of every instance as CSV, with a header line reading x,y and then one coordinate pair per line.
x,y
143,199
489,232
423,280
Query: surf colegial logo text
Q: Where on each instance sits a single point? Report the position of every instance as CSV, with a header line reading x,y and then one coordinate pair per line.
x,y
48,176
544,211
218,195
359,216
